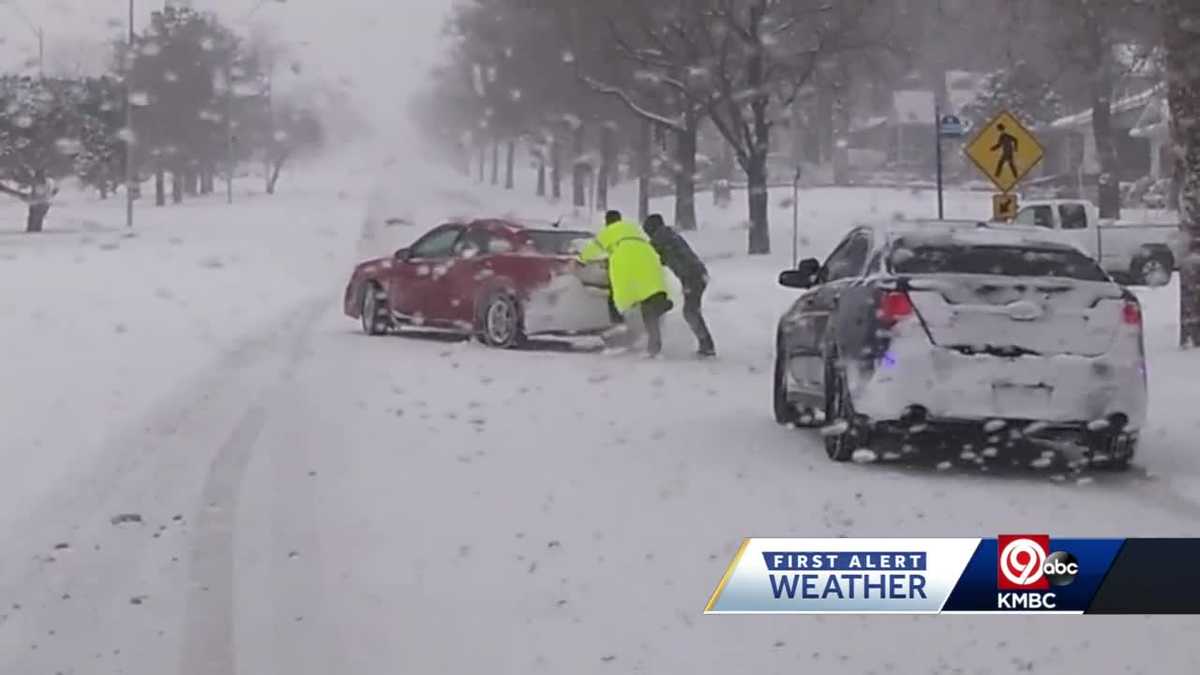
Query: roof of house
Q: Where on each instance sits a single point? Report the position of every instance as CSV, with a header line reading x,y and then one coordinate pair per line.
x,y
915,106
1154,120
1127,104
963,87
868,123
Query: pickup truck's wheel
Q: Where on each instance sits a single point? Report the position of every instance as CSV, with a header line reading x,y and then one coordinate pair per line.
x,y
500,321
1153,270
846,431
374,311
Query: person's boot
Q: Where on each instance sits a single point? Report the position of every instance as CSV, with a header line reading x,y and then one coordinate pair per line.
x,y
654,338
653,349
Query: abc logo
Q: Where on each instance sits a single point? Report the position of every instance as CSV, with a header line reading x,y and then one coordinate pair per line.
x,y
1060,568
1025,563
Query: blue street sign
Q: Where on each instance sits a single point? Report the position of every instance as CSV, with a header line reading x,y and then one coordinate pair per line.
x,y
949,126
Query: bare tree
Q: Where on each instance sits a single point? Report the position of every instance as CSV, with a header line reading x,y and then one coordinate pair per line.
x,y
762,52
1181,22
1077,41
654,68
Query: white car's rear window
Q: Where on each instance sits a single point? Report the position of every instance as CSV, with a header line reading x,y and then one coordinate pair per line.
x,y
1013,261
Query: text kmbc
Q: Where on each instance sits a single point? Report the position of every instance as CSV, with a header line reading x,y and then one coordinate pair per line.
x,y
1025,563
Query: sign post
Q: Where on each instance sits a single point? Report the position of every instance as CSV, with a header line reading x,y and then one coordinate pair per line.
x,y
796,217
945,126
937,116
1005,151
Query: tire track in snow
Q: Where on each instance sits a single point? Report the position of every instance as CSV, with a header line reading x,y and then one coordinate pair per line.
x,y
154,466
208,633
209,646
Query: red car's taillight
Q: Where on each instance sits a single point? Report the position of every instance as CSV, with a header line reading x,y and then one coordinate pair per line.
x,y
894,307
1131,313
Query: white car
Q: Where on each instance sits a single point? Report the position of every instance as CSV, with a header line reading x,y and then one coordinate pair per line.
x,y
998,334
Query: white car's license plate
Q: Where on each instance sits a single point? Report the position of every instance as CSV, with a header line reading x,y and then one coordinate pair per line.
x,y
1023,401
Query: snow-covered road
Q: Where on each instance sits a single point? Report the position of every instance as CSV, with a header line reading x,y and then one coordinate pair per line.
x,y
290,496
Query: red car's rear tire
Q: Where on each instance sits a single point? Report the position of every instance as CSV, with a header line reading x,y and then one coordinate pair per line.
x,y
501,323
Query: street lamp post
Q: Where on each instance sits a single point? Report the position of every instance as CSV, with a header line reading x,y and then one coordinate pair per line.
x,y
40,33
130,178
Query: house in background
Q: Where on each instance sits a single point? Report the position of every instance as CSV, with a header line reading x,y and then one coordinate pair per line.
x,y
1071,144
901,135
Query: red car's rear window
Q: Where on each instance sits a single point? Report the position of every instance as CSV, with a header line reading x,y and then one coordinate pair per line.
x,y
552,242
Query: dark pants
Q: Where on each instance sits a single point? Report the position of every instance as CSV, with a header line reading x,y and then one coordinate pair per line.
x,y
613,314
653,309
692,296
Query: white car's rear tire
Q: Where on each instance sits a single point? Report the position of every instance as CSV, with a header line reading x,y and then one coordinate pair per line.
x,y
785,411
839,410
1111,452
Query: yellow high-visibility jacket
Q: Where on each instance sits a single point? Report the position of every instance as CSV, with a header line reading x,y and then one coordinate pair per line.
x,y
634,270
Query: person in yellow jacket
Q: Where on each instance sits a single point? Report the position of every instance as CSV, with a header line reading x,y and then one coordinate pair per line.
x,y
635,273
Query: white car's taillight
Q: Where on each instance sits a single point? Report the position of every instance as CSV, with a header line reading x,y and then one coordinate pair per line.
x,y
894,307
1131,313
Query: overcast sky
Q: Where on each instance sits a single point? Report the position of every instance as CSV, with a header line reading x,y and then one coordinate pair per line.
x,y
384,47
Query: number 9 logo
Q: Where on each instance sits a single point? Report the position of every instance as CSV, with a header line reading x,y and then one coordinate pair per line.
x,y
1022,562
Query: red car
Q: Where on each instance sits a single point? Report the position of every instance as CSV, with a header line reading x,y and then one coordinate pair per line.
x,y
495,279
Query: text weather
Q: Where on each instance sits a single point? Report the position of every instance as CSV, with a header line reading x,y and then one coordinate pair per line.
x,y
846,575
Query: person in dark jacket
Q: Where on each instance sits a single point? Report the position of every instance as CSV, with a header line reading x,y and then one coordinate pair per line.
x,y
679,257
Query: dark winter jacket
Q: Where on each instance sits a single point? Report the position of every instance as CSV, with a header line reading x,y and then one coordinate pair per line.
x,y
678,256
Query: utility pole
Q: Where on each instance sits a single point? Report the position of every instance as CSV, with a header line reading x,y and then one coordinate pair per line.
x,y
230,161
270,94
41,38
130,178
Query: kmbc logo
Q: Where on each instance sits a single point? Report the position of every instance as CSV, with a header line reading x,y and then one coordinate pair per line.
x,y
1025,563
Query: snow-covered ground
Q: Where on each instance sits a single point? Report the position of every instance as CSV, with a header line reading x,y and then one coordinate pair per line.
x,y
311,500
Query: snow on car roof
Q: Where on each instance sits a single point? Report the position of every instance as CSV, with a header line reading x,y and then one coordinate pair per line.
x,y
532,225
974,233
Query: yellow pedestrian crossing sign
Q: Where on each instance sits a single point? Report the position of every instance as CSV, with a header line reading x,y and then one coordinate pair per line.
x,y
1005,151
1004,207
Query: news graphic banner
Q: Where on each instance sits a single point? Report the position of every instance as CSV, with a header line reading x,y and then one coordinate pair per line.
x,y
1014,573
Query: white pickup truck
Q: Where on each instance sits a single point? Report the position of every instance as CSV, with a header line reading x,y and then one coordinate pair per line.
x,y
1136,253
